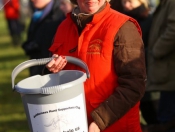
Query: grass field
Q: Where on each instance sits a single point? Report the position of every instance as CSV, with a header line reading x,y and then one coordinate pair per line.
x,y
12,116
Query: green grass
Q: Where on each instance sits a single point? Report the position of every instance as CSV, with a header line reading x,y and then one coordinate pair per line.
x,y
12,116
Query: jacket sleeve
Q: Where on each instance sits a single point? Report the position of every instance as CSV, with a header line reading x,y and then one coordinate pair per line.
x,y
166,42
129,64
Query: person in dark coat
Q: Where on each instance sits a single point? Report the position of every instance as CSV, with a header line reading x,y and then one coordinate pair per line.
x,y
161,63
43,26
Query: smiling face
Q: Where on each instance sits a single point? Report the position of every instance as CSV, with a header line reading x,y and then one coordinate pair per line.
x,y
39,4
90,6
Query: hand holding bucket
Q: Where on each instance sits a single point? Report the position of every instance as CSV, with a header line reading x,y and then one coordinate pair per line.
x,y
57,63
36,62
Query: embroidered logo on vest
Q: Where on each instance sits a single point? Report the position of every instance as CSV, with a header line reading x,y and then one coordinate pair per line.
x,y
95,47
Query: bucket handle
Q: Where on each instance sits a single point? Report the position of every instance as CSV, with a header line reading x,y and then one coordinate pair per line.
x,y
37,62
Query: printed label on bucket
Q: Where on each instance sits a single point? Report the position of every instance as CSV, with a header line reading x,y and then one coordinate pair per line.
x,y
67,116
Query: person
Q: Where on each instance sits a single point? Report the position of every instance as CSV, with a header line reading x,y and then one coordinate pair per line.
x,y
161,62
43,26
66,6
12,15
139,10
114,53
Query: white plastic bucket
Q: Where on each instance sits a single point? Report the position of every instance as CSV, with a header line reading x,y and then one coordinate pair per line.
x,y
54,102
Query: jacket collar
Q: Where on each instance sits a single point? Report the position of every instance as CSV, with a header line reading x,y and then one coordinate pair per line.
x,y
97,16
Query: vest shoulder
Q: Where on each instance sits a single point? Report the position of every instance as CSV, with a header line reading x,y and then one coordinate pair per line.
x,y
120,18
114,16
114,19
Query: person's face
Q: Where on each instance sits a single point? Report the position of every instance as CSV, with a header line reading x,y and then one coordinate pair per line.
x,y
90,6
39,4
130,4
65,6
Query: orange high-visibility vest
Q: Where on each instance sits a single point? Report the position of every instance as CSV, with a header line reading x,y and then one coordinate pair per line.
x,y
95,47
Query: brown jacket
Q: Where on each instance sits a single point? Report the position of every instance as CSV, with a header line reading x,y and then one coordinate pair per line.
x,y
161,48
128,46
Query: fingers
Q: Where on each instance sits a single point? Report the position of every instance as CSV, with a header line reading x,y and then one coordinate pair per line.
x,y
59,61
93,127
64,64
55,55
51,63
57,64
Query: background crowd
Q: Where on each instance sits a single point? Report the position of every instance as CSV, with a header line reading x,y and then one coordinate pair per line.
x,y
157,21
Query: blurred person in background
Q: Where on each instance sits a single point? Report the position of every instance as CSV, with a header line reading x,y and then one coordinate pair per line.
x,y
66,6
25,12
161,64
12,15
45,20
139,10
